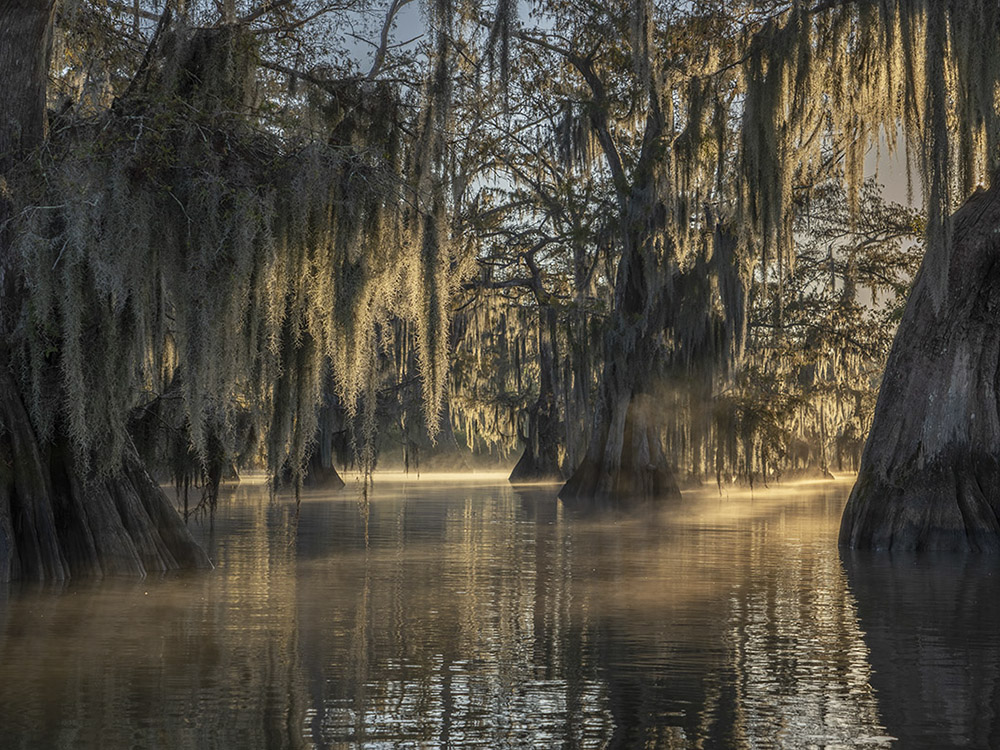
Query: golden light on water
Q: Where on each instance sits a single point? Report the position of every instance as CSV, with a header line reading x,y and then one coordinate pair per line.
x,y
435,477
469,609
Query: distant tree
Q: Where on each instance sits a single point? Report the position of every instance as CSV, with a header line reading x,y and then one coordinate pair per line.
x,y
542,220
803,397
636,84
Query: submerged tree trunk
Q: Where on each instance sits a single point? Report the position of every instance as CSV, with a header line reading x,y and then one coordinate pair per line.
x,y
930,471
321,473
625,461
540,460
57,520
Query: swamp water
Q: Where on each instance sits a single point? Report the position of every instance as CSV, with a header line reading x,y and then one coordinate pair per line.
x,y
467,613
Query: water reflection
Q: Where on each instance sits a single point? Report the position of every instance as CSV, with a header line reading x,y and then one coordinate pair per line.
x,y
931,625
464,615
204,660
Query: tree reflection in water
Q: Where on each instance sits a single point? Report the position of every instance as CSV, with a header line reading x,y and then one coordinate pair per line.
x,y
930,622
493,619
188,660
475,615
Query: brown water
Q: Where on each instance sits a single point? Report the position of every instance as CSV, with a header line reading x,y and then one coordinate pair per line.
x,y
470,614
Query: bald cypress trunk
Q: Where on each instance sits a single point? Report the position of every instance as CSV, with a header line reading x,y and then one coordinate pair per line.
x,y
540,460
930,471
57,518
625,461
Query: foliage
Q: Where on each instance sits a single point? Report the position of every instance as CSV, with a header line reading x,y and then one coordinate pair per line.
x,y
171,244
234,216
708,119
806,392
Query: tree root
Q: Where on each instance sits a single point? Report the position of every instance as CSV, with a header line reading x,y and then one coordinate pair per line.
x,y
57,521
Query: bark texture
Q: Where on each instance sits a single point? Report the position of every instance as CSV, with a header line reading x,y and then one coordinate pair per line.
x,y
56,521
625,461
24,40
930,471
540,460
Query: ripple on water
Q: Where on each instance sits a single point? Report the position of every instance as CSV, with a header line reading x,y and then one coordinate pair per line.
x,y
472,614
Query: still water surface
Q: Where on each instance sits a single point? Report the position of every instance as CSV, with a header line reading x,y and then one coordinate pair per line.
x,y
467,613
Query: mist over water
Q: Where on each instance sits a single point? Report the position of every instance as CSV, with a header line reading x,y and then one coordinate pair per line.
x,y
467,613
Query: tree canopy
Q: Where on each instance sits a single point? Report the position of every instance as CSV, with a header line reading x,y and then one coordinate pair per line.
x,y
638,240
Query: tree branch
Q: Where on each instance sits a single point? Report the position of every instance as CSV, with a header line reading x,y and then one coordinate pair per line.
x,y
394,7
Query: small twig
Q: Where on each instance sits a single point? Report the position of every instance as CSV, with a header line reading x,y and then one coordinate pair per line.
x,y
265,7
61,251
178,201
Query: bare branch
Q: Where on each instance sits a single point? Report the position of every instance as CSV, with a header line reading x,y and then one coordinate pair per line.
x,y
390,16
284,28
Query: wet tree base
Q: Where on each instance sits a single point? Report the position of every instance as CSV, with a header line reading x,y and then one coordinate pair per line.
x,y
57,522
322,478
625,464
320,474
592,485
531,468
951,504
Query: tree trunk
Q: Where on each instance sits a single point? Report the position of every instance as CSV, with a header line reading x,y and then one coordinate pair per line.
x,y
57,520
321,471
321,474
25,26
625,461
930,471
540,460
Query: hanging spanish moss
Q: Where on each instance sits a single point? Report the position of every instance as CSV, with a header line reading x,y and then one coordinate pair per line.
x,y
926,69
860,73
169,248
495,372
738,142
